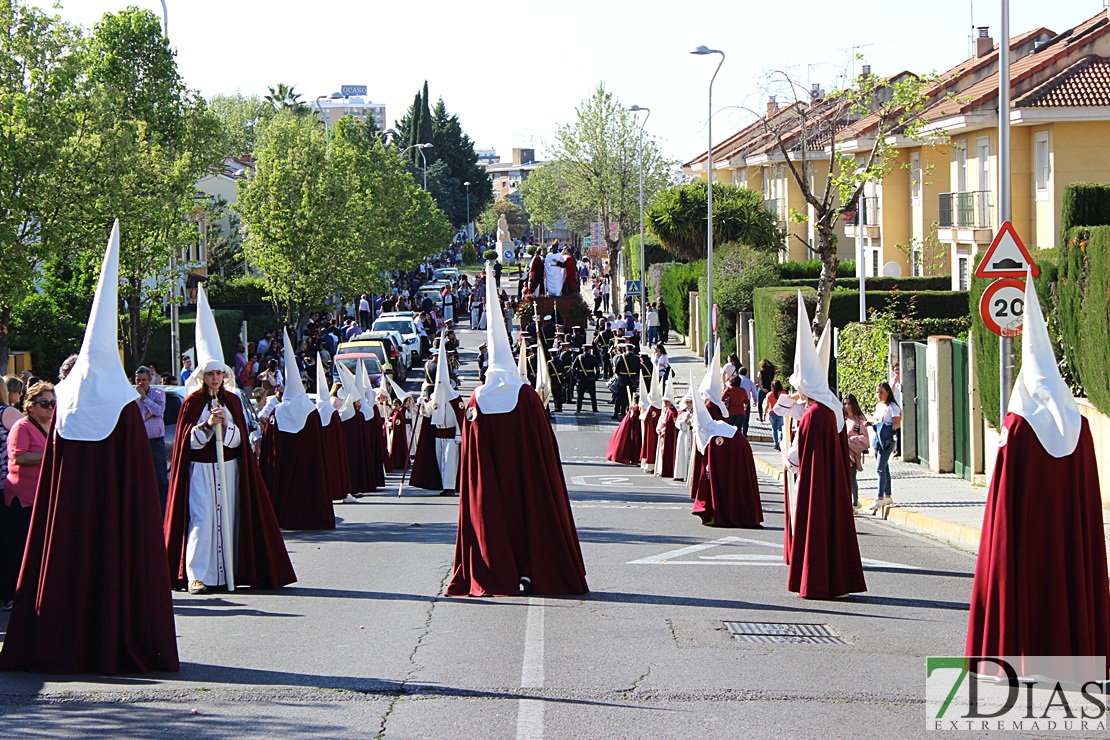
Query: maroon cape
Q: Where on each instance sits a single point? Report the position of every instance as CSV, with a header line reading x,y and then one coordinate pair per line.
x,y
664,465
624,445
650,435
823,550
1040,579
571,287
379,463
728,494
339,468
425,464
261,560
399,440
535,272
514,510
94,592
697,471
356,440
296,475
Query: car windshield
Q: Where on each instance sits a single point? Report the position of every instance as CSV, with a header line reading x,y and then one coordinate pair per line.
x,y
377,349
402,326
373,367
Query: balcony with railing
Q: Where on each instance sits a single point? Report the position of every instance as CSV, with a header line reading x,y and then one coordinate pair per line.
x,y
869,208
968,210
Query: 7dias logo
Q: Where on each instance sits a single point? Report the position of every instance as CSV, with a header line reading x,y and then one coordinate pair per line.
x,y
1025,694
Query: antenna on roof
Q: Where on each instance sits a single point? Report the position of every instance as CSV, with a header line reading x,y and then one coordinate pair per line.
x,y
971,36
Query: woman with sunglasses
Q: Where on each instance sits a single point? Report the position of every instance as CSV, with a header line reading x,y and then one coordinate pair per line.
x,y
26,446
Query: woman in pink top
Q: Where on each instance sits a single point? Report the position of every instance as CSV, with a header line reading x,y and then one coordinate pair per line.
x,y
26,446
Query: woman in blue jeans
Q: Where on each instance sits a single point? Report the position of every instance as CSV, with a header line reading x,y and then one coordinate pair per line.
x,y
769,402
886,411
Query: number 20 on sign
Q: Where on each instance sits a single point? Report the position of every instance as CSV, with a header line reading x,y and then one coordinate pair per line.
x,y
1002,307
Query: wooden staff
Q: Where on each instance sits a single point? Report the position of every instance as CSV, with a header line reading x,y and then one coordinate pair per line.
x,y
225,513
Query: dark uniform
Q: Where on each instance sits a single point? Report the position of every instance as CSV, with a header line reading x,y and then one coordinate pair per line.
x,y
626,367
558,371
567,357
603,342
586,369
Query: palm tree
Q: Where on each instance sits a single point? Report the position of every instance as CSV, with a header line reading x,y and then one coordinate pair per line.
x,y
677,217
284,97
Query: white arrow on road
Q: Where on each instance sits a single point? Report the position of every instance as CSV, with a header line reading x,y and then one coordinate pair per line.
x,y
756,559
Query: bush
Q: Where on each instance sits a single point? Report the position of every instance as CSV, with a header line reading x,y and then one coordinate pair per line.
x,y
469,254
40,326
655,254
776,311
239,289
811,269
863,357
489,255
228,323
1085,204
677,282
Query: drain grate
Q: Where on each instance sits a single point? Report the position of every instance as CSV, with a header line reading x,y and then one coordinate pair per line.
x,y
784,632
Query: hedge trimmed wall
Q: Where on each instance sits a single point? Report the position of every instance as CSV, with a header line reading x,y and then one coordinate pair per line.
x,y
811,269
678,281
1084,292
1085,204
776,311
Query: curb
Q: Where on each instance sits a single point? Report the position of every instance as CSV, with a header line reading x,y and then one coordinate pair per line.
x,y
958,535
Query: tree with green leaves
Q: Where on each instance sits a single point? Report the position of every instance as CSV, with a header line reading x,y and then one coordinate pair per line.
x,y
514,216
677,217
544,196
241,120
285,98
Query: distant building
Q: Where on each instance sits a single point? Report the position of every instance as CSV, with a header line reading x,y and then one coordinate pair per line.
x,y
507,176
351,101
487,156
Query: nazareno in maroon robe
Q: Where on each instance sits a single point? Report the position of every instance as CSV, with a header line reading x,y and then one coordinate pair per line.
x,y
823,550
650,436
356,440
664,464
514,510
261,560
425,463
624,444
295,470
1041,578
338,477
378,449
728,494
94,591
398,440
697,471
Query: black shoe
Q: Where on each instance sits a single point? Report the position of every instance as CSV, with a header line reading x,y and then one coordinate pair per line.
x,y
596,411
448,492
525,585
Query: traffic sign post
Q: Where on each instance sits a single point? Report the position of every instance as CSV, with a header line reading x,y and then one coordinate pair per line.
x,y
1006,256
1002,307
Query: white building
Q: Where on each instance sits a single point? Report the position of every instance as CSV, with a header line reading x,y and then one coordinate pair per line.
x,y
351,100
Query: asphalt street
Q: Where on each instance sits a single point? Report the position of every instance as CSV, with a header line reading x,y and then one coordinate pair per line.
x,y
366,645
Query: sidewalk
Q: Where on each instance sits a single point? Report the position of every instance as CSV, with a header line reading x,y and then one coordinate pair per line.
x,y
944,506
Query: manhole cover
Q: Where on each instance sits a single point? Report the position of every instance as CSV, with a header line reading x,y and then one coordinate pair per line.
x,y
789,632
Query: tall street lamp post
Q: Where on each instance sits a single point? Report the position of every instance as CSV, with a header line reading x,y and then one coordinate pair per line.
x,y
327,128
467,186
643,247
703,51
420,148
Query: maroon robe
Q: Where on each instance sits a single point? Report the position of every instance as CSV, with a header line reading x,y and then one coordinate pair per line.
x,y
570,287
624,445
262,560
379,463
296,474
514,510
664,463
425,461
338,467
94,591
728,494
357,443
1040,579
650,435
399,440
535,272
824,554
698,468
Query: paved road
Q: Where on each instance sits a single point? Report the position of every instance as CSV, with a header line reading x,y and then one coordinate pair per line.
x,y
365,645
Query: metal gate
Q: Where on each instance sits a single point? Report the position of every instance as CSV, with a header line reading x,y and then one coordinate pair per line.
x,y
961,408
921,402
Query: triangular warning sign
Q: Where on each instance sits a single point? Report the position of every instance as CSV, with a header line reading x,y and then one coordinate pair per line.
x,y
1006,256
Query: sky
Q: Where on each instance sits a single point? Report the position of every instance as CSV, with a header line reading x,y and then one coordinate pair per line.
x,y
515,71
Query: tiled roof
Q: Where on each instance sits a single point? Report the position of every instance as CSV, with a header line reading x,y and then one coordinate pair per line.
x,y
1084,84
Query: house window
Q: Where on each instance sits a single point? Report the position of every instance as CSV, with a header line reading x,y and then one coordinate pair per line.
x,y
915,178
767,194
983,160
1042,168
964,264
874,263
916,258
960,153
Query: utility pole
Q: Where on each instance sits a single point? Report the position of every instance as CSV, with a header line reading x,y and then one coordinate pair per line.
x,y
1005,345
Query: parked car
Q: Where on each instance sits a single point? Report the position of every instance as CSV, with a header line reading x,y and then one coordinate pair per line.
x,y
175,397
434,291
447,274
369,359
404,326
389,348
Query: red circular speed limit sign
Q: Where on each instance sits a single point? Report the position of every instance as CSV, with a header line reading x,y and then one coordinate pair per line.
x,y
1002,307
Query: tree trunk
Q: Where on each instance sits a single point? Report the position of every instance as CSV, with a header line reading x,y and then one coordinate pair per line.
x,y
5,347
134,319
826,251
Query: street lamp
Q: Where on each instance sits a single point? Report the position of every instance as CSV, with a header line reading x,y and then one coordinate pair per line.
x,y
327,131
165,21
643,248
468,234
420,148
703,51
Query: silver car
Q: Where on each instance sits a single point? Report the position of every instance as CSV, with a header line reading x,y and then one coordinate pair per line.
x,y
403,324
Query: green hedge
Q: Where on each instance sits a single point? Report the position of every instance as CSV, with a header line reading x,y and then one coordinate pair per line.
x,y
228,323
939,282
1084,289
776,311
678,281
235,290
1085,204
48,331
811,269
986,342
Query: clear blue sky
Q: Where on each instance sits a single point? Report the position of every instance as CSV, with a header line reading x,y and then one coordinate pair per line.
x,y
514,71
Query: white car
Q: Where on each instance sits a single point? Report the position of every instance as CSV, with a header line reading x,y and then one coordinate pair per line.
x,y
402,324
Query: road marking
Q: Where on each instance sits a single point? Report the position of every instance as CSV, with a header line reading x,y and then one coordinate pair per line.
x,y
529,716
602,480
754,559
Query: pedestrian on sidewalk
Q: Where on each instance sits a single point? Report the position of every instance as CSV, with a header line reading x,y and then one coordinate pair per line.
x,y
886,415
736,399
855,427
774,419
753,392
766,379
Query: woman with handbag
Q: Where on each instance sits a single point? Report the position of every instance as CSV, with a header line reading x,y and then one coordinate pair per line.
x,y
886,415
855,427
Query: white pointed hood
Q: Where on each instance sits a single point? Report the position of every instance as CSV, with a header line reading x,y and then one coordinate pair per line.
x,y
398,392
705,426
810,377
443,393
349,393
365,390
712,387
498,395
295,406
668,390
543,374
1040,395
656,390
824,346
323,394
209,350
644,395
94,393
